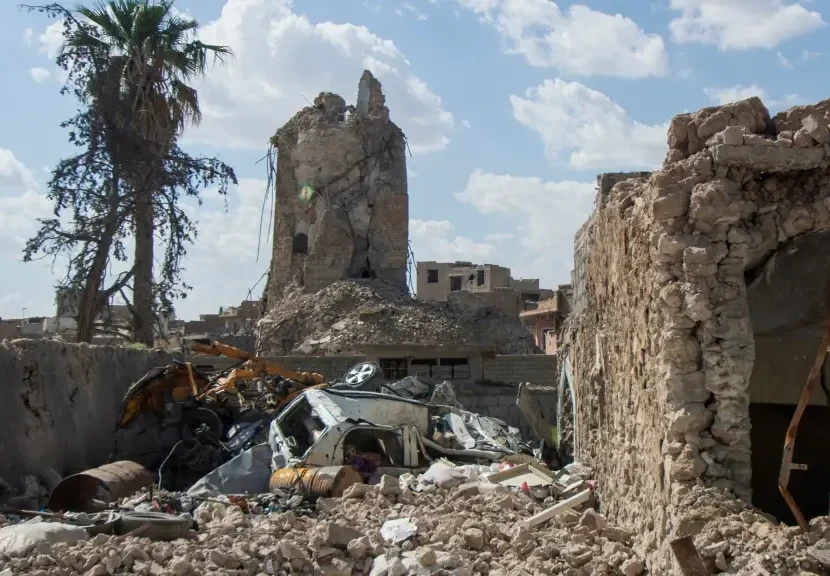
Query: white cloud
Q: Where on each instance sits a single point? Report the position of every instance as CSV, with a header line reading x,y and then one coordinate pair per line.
x,y
282,59
580,41
234,234
410,9
738,92
807,54
40,75
51,40
734,93
14,175
28,34
741,24
20,204
787,101
465,123
598,132
785,62
499,236
546,215
435,240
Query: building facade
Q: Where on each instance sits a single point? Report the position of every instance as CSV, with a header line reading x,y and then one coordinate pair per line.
x,y
546,320
436,280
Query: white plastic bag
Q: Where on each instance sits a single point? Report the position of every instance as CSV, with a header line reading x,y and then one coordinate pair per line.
x,y
20,539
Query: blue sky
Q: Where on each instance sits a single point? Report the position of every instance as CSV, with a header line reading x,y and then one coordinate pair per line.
x,y
511,108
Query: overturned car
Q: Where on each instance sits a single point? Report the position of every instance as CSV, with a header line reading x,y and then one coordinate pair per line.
x,y
371,431
362,435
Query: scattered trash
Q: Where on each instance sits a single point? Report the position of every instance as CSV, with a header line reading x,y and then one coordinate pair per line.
x,y
19,540
154,525
557,509
105,483
315,482
396,531
525,474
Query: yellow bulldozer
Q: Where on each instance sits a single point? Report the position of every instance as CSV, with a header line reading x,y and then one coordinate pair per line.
x,y
184,421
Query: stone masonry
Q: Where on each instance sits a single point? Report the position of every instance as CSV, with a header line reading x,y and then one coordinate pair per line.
x,y
662,347
342,208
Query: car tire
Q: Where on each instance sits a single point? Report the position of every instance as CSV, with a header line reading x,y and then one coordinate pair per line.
x,y
192,419
364,376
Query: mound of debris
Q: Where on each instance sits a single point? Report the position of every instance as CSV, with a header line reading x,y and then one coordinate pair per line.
x,y
350,313
735,538
382,530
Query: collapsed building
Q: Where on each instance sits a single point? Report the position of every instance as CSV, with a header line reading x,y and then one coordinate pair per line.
x,y
341,202
338,277
701,291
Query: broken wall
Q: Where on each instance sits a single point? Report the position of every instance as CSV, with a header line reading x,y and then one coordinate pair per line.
x,y
341,203
662,346
59,403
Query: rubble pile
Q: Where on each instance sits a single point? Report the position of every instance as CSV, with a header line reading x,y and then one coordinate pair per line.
x,y
734,538
354,312
441,531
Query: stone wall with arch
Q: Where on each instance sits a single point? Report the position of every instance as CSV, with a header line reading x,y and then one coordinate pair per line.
x,y
662,348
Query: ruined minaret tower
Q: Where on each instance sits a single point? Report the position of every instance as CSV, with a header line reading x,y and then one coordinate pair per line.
x,y
342,208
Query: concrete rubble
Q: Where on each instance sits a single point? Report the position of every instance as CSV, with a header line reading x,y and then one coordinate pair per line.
x,y
349,313
456,531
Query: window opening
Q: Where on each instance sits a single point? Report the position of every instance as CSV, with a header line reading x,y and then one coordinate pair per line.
x,y
300,244
393,368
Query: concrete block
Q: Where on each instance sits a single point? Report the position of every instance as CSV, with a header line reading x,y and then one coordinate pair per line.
x,y
500,412
488,401
505,400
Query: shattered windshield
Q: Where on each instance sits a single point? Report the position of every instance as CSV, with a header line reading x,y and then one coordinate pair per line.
x,y
301,427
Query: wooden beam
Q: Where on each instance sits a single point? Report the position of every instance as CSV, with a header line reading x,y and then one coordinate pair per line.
x,y
688,558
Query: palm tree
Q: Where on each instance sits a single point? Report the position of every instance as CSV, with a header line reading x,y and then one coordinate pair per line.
x,y
154,55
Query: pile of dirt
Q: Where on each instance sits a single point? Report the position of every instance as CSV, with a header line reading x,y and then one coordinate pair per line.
x,y
350,313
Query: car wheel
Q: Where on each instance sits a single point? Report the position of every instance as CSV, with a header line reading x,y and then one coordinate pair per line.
x,y
192,419
361,374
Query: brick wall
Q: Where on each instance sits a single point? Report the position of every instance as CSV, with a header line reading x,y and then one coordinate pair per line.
x,y
537,369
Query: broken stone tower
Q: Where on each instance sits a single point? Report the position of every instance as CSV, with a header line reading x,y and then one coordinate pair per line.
x,y
342,208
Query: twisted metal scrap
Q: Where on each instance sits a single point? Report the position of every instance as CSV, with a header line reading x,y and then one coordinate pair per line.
x,y
787,464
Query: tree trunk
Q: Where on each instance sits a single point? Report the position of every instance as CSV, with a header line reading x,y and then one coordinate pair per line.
x,y
90,303
143,329
87,308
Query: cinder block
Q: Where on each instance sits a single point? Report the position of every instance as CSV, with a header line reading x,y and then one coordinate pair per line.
x,y
500,412
485,400
506,400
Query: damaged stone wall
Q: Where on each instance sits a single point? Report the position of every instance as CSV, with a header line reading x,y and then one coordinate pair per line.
x,y
59,403
341,202
662,347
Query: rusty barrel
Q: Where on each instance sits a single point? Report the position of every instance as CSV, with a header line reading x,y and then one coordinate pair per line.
x,y
120,479
315,482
